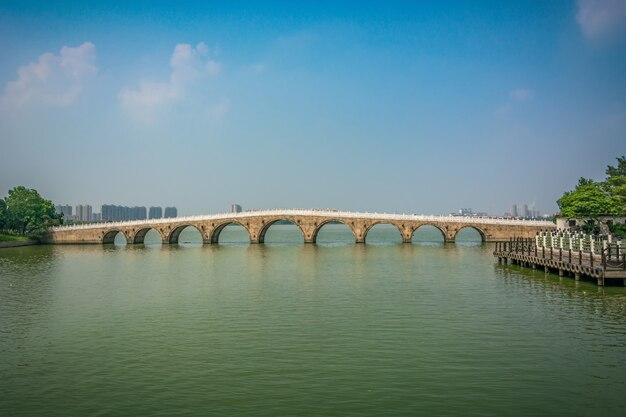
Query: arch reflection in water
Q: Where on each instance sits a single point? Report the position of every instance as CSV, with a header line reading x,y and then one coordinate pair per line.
x,y
281,232
115,238
383,234
231,234
189,236
469,236
334,234
151,239
428,235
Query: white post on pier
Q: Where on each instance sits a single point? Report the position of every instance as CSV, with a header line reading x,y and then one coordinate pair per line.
x,y
593,246
571,242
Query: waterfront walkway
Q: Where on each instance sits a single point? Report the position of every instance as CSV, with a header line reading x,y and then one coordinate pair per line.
x,y
607,263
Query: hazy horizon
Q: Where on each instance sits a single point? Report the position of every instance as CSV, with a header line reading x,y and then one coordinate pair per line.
x,y
398,106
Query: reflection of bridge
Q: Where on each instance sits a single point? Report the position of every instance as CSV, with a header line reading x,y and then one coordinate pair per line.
x,y
257,223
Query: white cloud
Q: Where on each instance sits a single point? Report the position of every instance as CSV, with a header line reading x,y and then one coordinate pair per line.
x,y
54,80
219,111
516,96
521,94
258,67
188,64
598,18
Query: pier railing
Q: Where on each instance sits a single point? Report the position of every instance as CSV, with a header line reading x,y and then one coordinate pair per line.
x,y
600,257
612,256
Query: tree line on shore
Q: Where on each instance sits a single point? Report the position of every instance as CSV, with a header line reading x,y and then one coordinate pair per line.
x,y
592,199
25,213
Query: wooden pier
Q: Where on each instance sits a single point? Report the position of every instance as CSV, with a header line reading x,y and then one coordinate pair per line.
x,y
568,254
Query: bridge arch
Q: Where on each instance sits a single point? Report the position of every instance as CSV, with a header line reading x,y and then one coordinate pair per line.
x,y
140,235
382,223
481,232
108,237
427,226
217,230
266,226
318,226
175,233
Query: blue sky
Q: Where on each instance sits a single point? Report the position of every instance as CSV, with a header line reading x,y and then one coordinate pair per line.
x,y
421,107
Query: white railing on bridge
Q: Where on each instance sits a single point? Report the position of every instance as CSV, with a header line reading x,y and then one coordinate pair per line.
x,y
310,212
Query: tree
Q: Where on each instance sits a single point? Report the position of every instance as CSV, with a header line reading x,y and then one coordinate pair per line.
x,y
589,199
27,213
616,182
3,213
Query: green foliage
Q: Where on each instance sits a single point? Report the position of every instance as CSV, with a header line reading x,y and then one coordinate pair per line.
x,y
29,214
616,182
591,199
3,213
618,230
10,238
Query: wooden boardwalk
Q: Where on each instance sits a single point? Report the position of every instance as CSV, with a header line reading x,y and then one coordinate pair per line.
x,y
608,265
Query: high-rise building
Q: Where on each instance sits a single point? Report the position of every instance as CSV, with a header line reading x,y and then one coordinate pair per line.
x,y
514,212
83,213
138,213
525,212
65,210
155,213
170,212
235,208
112,213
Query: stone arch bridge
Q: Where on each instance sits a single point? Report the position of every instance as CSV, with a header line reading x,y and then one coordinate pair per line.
x,y
257,223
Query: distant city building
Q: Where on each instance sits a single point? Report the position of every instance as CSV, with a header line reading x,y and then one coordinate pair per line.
x,y
525,212
170,212
96,217
112,213
65,210
138,213
83,213
155,213
468,212
235,208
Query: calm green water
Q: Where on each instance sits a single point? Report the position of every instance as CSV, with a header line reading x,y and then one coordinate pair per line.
x,y
287,329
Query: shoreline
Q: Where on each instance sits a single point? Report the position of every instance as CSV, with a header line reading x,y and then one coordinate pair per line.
x,y
18,243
